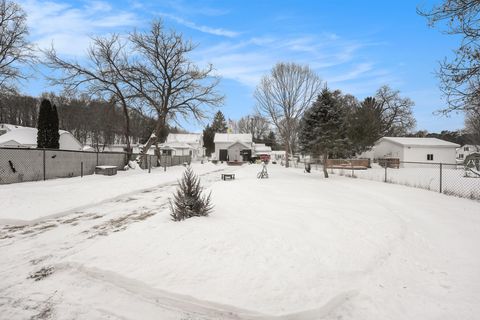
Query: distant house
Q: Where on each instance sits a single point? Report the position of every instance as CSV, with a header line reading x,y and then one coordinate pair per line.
x,y
13,136
233,146
416,149
184,144
261,151
466,150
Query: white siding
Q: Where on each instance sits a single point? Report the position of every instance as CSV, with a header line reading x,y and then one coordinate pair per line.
x,y
388,149
419,154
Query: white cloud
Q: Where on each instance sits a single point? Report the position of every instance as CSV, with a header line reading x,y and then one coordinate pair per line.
x,y
202,28
69,28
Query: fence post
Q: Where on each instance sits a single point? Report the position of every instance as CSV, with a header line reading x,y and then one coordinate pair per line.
x,y
385,171
97,159
440,177
150,164
44,166
81,169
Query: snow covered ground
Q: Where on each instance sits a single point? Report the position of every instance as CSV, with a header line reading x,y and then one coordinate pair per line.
x,y
294,246
29,201
454,181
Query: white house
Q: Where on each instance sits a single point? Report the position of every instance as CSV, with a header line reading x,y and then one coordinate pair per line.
x,y
467,149
261,150
184,144
13,136
416,149
233,146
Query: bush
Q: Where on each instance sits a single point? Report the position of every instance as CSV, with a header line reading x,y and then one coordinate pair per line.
x,y
188,200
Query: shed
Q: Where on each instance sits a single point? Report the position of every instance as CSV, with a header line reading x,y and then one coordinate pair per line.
x,y
233,146
407,149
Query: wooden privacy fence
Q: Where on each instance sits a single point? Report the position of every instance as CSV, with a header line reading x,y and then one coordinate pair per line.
x,y
348,163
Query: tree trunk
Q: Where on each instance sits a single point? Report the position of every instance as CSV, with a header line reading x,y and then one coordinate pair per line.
x,y
325,157
127,129
142,157
287,152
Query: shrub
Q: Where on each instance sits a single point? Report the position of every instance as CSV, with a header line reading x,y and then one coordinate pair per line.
x,y
188,200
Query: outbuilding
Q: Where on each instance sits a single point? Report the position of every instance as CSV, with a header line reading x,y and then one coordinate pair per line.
x,y
12,136
234,147
409,149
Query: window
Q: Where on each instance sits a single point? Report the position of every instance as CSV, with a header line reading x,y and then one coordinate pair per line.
x,y
430,157
466,149
460,156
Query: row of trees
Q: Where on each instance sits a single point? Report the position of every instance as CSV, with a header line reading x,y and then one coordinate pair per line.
x,y
290,89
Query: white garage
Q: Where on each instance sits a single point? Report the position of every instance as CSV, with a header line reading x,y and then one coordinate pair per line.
x,y
416,149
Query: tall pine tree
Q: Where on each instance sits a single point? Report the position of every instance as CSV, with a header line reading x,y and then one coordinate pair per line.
x,y
54,134
219,125
47,135
323,127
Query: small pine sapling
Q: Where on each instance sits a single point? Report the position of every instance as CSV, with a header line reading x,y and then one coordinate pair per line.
x,y
188,200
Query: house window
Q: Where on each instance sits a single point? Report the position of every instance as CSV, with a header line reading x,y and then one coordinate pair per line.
x,y
460,156
466,149
430,157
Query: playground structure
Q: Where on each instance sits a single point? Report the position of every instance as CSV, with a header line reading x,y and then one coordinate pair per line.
x,y
472,165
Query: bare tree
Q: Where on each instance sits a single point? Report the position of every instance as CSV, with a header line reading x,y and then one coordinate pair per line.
x,y
395,112
284,95
15,49
101,76
460,77
255,124
170,84
472,127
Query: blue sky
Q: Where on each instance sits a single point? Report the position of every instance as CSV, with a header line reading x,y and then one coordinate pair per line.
x,y
355,46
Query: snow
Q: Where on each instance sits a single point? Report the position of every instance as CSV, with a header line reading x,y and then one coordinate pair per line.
x,y
233,137
30,201
424,142
294,246
184,137
454,181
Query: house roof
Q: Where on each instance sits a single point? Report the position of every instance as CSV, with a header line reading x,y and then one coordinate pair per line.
x,y
175,145
24,136
420,142
184,137
261,148
233,137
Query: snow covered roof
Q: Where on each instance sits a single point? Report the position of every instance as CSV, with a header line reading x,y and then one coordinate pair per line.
x,y
184,137
420,142
233,137
175,145
19,136
261,148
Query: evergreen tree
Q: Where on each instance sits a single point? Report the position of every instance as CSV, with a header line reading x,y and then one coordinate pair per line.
x,y
219,124
43,124
365,125
323,127
54,134
271,140
208,136
188,201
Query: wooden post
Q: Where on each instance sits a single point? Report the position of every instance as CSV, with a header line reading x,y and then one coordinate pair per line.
x,y
81,169
440,177
385,163
150,164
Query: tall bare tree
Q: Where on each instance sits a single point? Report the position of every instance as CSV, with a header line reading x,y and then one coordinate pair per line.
x,y
170,84
395,112
255,124
460,77
101,76
284,95
15,49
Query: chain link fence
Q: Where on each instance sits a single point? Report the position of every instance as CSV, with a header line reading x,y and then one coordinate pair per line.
x,y
447,178
23,164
